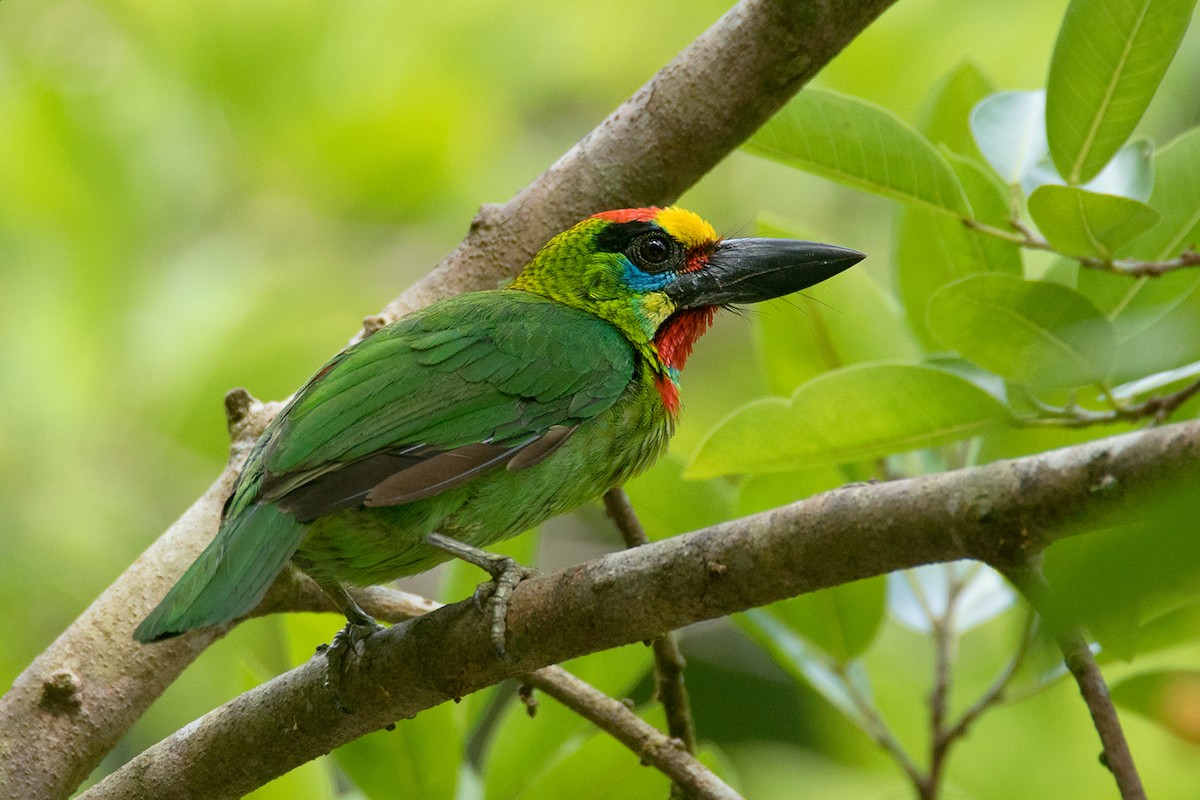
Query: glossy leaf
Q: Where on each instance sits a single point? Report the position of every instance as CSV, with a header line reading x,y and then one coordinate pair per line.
x,y
1173,627
1157,320
597,767
918,597
1169,697
1086,224
522,749
1107,64
420,758
837,323
773,489
667,504
806,663
861,145
946,120
860,412
1158,380
1130,173
1121,580
933,249
842,620
1009,128
990,203
1176,197
1036,333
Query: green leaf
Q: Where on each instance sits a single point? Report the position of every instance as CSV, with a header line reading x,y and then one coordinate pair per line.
x,y
1169,697
848,321
667,505
520,750
989,203
933,249
920,597
1157,320
1086,224
1176,197
806,663
860,412
1009,128
773,489
420,758
1107,64
597,768
946,119
842,620
1121,579
1036,333
1173,627
860,145
1156,381
1130,173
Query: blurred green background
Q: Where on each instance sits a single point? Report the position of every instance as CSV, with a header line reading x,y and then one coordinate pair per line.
x,y
199,197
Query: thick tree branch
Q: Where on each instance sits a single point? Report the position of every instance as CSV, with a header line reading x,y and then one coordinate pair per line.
x,y
678,126
651,746
1000,513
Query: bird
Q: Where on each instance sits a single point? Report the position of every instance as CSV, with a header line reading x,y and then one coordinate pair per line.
x,y
482,415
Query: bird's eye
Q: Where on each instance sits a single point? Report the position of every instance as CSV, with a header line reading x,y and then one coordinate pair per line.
x,y
654,252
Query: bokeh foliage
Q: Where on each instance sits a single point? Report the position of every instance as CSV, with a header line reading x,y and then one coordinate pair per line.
x,y
193,199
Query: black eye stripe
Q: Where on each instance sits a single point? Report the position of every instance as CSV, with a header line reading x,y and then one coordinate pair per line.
x,y
618,236
645,244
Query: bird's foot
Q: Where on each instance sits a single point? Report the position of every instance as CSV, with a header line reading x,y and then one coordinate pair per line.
x,y
347,647
491,597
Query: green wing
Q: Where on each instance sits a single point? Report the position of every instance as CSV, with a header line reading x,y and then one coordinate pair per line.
x,y
440,397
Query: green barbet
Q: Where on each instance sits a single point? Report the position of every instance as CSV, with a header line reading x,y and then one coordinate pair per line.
x,y
482,415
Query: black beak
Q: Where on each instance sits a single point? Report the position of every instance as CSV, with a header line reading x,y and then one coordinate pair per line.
x,y
751,270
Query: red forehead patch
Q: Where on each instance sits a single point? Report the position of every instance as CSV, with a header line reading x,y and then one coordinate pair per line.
x,y
629,215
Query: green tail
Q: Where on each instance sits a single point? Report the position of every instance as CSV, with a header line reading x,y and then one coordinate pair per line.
x,y
230,576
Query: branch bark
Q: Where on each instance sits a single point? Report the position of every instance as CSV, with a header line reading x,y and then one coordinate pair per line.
x,y
80,696
986,513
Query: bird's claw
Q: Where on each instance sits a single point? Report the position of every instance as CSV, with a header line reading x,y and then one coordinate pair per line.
x,y
491,597
347,646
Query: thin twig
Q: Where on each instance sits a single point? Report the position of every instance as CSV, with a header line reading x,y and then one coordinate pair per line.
x,y
668,660
1157,409
877,728
1082,665
943,639
1131,267
1117,757
999,688
660,751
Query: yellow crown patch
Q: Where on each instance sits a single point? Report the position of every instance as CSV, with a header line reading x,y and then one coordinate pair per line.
x,y
685,227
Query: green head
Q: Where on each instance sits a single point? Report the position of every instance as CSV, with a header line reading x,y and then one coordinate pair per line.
x,y
659,275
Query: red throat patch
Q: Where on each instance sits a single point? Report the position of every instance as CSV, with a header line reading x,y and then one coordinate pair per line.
x,y
674,342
